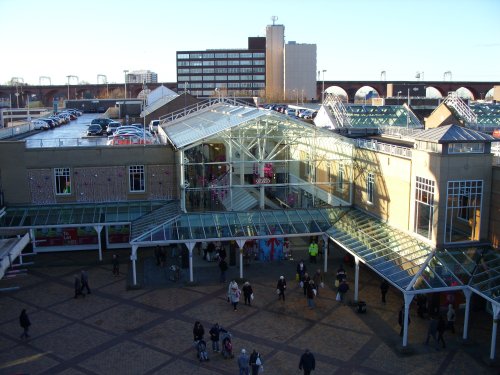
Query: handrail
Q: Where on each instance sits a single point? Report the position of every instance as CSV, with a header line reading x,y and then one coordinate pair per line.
x,y
385,148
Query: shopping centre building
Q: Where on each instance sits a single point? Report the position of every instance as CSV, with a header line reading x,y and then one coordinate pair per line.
x,y
417,206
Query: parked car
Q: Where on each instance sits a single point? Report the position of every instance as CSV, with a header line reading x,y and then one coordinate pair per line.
x,y
40,125
112,127
50,122
102,121
153,126
94,129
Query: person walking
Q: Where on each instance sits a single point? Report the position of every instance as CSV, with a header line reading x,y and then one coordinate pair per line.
x,y
318,281
401,320
116,265
432,331
313,251
233,294
223,268
305,280
255,362
301,270
198,331
384,287
307,362
310,294
281,286
78,286
24,322
157,254
84,278
441,327
243,363
343,288
450,316
214,337
341,274
247,293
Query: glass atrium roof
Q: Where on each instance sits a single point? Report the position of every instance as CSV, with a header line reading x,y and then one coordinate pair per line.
x,y
488,114
77,214
369,116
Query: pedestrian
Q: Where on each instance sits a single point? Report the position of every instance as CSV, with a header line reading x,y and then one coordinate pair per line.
x,y
301,270
313,251
343,288
222,253
24,322
163,256
441,327
84,278
450,316
310,294
432,330
214,337
233,294
204,247
341,275
280,287
243,362
384,287
78,287
307,362
198,331
305,280
401,320
318,281
247,293
116,265
223,268
256,362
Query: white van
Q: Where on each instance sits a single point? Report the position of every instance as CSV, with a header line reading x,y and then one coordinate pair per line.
x,y
153,126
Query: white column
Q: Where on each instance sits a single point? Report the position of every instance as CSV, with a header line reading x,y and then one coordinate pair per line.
x,y
356,279
133,258
190,246
98,229
467,294
182,182
496,311
241,244
325,253
408,299
262,200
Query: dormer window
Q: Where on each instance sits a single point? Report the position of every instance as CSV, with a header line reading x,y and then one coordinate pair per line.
x,y
466,148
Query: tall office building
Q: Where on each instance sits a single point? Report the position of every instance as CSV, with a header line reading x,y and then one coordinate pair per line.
x,y
275,43
227,72
141,76
300,72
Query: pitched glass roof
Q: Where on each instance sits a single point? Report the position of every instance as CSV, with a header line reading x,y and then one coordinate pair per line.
x,y
488,114
233,225
76,214
369,116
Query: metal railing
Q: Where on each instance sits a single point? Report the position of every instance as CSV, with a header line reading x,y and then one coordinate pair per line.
x,y
338,110
66,142
463,110
384,148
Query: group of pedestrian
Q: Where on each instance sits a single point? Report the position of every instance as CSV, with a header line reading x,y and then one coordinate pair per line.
x,y
81,283
252,362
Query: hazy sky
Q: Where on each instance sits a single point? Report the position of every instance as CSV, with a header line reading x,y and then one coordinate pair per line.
x,y
356,39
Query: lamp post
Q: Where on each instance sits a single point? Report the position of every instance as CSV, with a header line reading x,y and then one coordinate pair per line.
x,y
446,75
105,79
382,75
125,95
323,90
77,80
46,78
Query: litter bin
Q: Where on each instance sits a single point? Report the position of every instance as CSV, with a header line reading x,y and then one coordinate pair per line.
x,y
361,307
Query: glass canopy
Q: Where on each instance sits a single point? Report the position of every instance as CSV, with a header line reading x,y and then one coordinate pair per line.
x,y
363,116
76,214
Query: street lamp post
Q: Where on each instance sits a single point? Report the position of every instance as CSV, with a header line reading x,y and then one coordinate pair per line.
x,y
125,95
323,90
105,79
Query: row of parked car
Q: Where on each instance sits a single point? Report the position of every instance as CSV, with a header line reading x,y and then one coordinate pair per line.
x,y
119,134
57,119
306,114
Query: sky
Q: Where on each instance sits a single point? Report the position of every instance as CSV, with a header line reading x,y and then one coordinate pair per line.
x,y
356,39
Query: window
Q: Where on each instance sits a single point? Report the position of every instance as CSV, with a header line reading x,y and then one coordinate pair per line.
x,y
208,78
220,70
233,62
258,84
208,55
221,55
245,62
195,56
259,54
182,71
245,55
460,148
233,78
424,207
463,210
259,62
183,56
208,63
370,187
209,71
233,55
195,71
340,182
259,77
63,181
221,78
195,63
136,178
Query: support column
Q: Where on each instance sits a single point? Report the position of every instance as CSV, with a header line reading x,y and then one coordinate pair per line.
x,y
356,279
190,247
133,258
467,294
98,229
325,253
182,181
408,298
262,196
241,244
496,311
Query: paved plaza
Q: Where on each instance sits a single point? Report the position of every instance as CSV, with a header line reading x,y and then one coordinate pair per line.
x,y
149,330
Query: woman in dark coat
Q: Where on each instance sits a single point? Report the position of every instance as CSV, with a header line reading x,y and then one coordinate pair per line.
x,y
198,331
24,322
281,286
247,293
